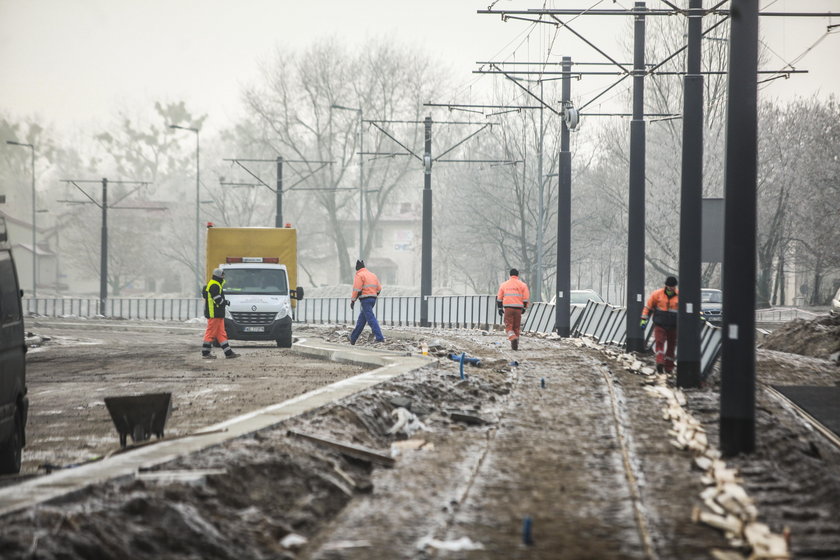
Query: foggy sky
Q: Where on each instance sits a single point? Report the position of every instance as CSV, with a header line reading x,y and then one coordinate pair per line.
x,y
75,62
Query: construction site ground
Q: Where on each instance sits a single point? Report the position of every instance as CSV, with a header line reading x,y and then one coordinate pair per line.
x,y
559,450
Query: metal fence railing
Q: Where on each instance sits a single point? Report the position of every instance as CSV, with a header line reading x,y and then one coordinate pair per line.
x,y
444,311
605,323
153,309
608,325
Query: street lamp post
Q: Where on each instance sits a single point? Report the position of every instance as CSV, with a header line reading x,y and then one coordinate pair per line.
x,y
198,280
34,249
361,175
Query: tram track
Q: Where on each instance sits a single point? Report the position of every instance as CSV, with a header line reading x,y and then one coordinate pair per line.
x,y
804,415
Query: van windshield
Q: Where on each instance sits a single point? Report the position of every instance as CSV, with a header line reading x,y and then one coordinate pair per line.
x,y
256,281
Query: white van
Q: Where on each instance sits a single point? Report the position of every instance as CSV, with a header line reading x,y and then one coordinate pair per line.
x,y
260,301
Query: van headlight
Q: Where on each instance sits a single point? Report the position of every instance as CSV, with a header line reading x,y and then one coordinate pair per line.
x,y
228,314
285,311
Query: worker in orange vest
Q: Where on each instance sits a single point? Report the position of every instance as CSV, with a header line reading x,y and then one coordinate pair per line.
x,y
512,301
664,304
366,288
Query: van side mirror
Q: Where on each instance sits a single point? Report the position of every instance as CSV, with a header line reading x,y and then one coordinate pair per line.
x,y
299,293
21,293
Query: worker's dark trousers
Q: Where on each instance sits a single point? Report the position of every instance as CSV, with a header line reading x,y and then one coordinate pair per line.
x,y
366,316
665,345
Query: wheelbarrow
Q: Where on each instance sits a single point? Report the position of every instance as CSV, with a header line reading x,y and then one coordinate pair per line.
x,y
139,416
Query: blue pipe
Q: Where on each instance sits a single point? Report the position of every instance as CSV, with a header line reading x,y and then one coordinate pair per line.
x,y
527,537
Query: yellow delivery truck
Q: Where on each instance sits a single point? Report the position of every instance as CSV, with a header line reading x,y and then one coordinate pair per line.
x,y
260,267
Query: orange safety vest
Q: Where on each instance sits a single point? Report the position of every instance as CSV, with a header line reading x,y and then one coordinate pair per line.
x,y
664,308
513,293
365,285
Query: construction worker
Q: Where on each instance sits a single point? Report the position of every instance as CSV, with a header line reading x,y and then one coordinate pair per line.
x,y
512,301
366,288
664,304
214,311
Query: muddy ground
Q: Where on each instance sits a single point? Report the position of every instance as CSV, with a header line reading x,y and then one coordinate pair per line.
x,y
70,374
565,440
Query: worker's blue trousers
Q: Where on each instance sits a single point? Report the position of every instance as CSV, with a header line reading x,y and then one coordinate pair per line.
x,y
366,316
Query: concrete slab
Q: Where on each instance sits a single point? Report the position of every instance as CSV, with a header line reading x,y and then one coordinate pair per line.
x,y
60,483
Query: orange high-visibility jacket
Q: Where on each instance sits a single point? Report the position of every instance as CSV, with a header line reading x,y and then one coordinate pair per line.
x,y
513,293
365,285
664,308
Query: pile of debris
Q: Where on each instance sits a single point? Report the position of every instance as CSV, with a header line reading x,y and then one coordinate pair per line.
x,y
818,338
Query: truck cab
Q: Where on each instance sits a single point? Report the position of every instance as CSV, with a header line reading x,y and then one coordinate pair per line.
x,y
260,300
14,404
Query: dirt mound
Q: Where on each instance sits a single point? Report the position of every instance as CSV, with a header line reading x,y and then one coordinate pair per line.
x,y
819,338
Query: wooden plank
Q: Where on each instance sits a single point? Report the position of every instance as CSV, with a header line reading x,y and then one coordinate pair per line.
x,y
354,451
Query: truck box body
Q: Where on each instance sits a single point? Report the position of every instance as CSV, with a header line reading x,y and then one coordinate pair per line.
x,y
260,267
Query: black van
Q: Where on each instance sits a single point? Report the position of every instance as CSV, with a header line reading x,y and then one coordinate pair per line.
x,y
14,404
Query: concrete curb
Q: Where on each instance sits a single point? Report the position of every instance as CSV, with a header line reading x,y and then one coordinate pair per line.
x,y
66,482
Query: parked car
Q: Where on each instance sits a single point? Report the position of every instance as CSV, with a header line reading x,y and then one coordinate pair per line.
x,y
14,404
835,302
580,297
711,306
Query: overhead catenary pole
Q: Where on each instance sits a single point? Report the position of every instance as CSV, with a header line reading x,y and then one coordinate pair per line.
x,y
636,199
278,213
564,217
426,251
103,250
198,279
737,387
278,189
691,201
541,209
427,160
361,185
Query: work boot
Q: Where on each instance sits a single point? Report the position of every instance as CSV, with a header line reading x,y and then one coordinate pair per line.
x,y
352,342
232,355
660,368
208,356
514,344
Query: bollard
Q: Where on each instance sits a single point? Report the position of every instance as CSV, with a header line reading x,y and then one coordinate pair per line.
x,y
527,537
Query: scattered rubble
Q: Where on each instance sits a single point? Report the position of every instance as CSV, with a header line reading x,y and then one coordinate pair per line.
x,y
470,459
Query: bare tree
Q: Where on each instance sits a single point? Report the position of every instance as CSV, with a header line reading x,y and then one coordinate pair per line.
x,y
142,243
291,114
491,210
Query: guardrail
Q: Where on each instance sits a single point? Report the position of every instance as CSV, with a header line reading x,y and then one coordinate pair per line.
x,y
153,309
783,314
608,325
466,312
605,323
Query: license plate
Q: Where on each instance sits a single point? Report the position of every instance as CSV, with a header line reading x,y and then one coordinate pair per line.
x,y
254,329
